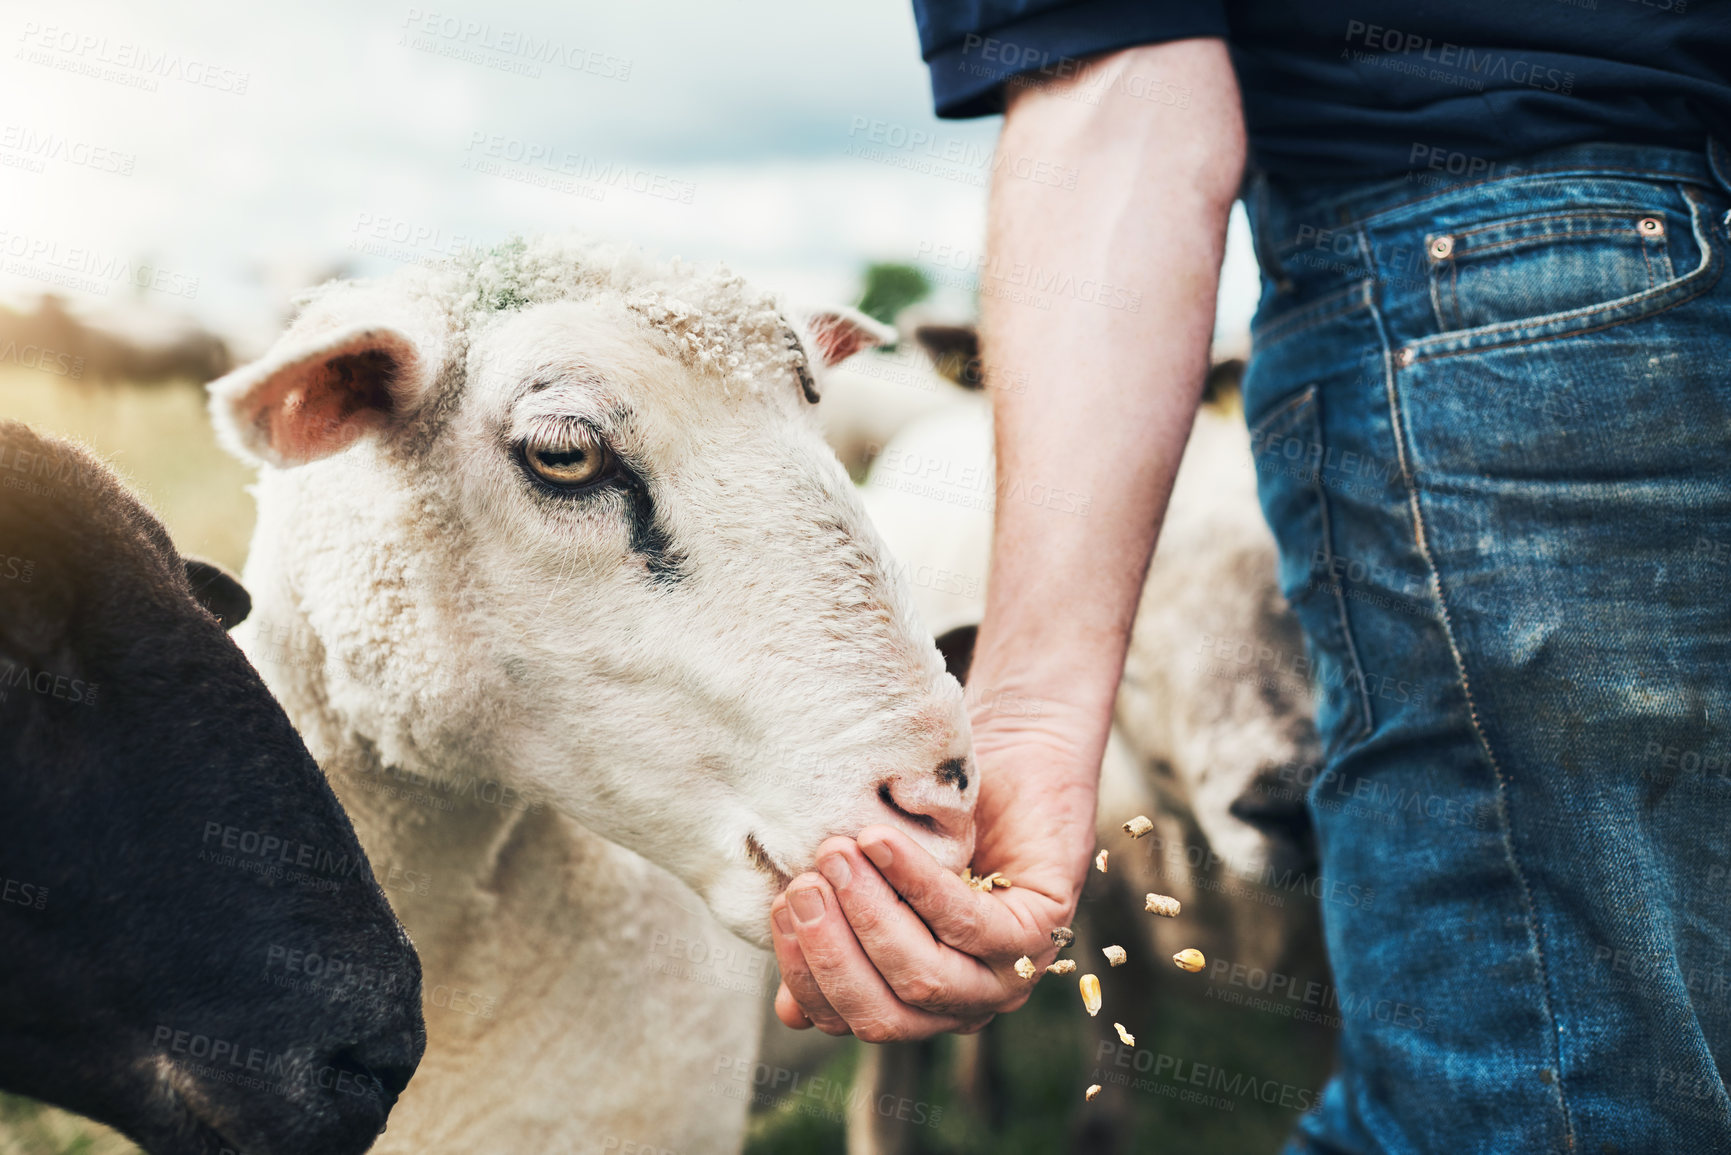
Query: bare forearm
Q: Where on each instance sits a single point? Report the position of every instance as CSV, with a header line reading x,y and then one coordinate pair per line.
x,y
1099,390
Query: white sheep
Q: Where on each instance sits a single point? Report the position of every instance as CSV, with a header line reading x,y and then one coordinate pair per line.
x,y
870,399
559,581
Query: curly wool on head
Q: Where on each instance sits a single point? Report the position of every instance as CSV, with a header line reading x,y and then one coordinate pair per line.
x,y
717,323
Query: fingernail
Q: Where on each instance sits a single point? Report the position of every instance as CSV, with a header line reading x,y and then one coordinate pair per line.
x,y
879,853
807,904
834,867
783,923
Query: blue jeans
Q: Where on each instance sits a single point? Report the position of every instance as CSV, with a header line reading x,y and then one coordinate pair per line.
x,y
1492,426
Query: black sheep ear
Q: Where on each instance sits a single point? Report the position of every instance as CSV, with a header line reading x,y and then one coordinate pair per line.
x,y
218,591
957,647
955,352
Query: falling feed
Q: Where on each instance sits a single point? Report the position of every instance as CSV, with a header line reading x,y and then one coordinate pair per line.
x,y
1162,904
1190,960
1090,994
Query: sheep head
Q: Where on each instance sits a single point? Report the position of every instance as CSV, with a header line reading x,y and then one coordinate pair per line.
x,y
567,518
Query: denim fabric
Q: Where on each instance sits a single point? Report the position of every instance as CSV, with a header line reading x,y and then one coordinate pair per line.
x,y
1492,426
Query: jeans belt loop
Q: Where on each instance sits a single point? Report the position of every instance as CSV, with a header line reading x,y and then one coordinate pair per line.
x,y
1258,203
1719,160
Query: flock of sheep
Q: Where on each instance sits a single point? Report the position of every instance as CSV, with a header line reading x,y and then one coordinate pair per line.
x,y
560,582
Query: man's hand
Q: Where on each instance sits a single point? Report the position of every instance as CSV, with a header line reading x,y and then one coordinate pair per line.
x,y
1107,386
854,957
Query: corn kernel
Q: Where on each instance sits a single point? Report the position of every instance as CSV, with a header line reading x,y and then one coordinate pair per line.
x,y
1162,904
1115,955
984,882
1190,960
1138,826
1090,994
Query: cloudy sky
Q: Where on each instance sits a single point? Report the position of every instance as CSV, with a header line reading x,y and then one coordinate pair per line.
x,y
213,157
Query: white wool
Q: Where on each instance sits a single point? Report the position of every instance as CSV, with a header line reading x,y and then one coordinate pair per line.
x,y
715,321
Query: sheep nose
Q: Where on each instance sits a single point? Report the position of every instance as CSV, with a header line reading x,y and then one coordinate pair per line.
x,y
390,1057
936,810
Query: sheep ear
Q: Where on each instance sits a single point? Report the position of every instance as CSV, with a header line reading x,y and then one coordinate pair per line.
x,y
836,334
218,591
312,396
955,352
957,647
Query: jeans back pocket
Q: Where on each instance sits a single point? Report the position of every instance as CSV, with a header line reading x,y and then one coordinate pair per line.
x,y
1539,265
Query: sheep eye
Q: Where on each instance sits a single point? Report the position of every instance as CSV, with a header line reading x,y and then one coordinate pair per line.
x,y
576,457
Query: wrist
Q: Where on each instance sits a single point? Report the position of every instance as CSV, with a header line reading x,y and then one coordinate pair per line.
x,y
1064,678
1052,756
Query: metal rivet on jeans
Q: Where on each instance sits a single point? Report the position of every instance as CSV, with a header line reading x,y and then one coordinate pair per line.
x,y
1441,248
1651,227
1405,357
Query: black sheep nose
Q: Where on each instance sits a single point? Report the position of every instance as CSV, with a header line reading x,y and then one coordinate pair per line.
x,y
955,772
391,1058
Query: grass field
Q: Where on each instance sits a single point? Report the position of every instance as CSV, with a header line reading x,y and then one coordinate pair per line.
x,y
1040,1059
160,440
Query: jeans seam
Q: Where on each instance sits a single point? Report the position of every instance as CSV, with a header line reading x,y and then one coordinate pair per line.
x,y
1535,929
1283,416
1348,643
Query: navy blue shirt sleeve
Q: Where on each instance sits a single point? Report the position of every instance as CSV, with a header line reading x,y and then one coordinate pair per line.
x,y
974,47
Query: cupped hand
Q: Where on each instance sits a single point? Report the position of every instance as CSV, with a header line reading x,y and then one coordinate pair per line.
x,y
882,942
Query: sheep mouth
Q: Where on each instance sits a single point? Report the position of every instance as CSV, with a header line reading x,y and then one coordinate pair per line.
x,y
208,1138
184,1131
765,862
190,1132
